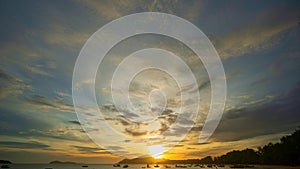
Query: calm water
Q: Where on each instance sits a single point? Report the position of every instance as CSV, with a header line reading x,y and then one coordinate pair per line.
x,y
106,166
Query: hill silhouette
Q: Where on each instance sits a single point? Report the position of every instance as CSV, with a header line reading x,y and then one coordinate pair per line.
x,y
285,152
62,162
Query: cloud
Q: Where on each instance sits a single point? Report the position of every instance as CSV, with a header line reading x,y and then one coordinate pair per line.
x,y
110,10
133,132
23,145
6,77
90,150
260,33
55,103
138,129
63,94
61,133
11,86
28,58
247,41
64,36
261,118
75,122
260,82
37,69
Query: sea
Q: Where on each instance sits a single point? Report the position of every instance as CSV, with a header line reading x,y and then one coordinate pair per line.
x,y
130,166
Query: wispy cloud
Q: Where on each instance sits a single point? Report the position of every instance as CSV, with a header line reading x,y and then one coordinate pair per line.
x,y
11,86
23,145
90,150
64,36
55,103
250,39
258,119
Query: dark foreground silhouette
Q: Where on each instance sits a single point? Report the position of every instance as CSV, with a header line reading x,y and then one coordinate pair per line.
x,y
285,152
5,162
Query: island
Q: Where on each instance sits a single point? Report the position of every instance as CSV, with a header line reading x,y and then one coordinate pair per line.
x,y
63,162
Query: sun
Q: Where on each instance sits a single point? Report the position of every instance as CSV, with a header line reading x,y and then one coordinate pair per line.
x,y
156,151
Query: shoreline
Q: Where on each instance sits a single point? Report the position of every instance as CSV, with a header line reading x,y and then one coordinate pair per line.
x,y
279,166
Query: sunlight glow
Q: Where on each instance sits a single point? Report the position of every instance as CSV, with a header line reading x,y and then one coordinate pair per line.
x,y
156,151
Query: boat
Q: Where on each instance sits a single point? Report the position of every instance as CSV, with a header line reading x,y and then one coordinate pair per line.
x,y
156,166
116,165
5,166
125,166
85,166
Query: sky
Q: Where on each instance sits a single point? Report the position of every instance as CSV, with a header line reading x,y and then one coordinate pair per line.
x,y
257,41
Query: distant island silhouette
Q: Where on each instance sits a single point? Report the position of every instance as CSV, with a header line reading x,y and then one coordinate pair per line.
x,y
63,162
285,152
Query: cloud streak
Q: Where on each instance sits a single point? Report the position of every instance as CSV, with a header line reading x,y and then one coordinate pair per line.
x,y
259,119
23,145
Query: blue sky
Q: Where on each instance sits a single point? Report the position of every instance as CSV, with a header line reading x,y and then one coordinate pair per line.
x,y
258,42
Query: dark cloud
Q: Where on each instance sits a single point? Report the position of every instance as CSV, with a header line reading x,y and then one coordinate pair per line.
x,y
280,114
192,88
114,147
185,121
120,120
197,128
134,132
163,127
167,112
204,85
167,118
109,108
118,150
23,145
90,150
123,113
124,122
177,131
259,82
6,77
75,122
